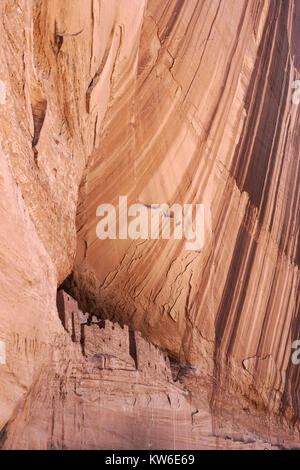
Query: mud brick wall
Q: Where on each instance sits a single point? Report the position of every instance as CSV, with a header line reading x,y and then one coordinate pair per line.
x,y
102,337
150,360
71,316
106,337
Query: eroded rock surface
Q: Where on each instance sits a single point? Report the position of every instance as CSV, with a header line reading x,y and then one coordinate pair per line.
x,y
181,101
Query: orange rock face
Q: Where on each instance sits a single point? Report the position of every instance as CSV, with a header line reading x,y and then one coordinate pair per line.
x,y
165,102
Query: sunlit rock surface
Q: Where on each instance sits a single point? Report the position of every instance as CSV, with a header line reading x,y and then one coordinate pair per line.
x,y
181,101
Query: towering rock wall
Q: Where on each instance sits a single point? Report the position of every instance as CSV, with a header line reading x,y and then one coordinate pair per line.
x,y
210,120
180,101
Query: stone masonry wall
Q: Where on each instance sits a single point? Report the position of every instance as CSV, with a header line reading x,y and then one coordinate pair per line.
x,y
110,345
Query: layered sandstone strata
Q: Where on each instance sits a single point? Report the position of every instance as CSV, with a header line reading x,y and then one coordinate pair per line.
x,y
173,101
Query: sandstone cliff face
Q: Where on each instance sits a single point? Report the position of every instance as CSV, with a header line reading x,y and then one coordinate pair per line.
x,y
181,101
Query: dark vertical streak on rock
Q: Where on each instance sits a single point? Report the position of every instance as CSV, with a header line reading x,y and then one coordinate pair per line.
x,y
3,435
250,166
227,319
174,16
